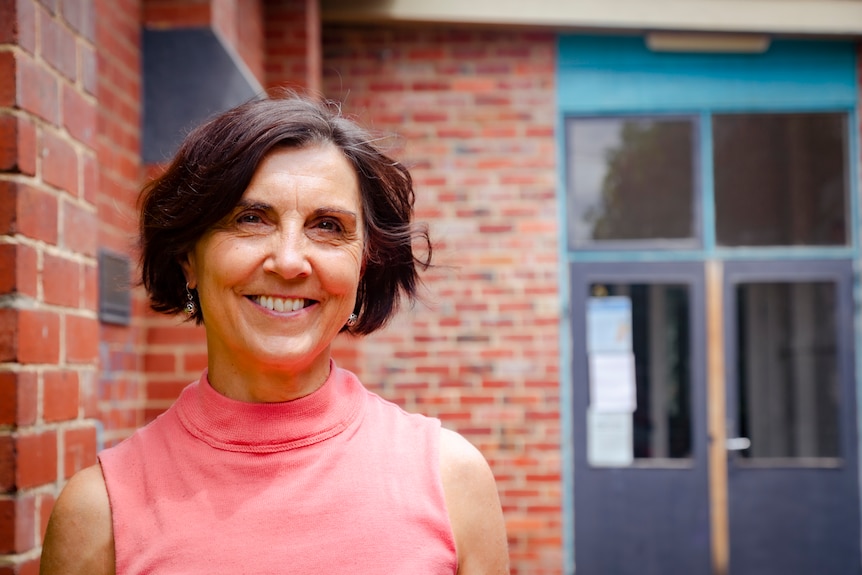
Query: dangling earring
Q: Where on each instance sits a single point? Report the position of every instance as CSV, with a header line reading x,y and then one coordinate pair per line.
x,y
351,321
191,308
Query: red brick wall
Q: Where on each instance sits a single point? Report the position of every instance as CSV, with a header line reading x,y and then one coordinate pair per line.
x,y
474,112
49,334
175,356
121,383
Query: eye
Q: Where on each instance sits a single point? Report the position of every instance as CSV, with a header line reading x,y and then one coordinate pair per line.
x,y
248,218
329,225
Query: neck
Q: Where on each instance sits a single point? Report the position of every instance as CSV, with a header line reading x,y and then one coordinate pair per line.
x,y
266,384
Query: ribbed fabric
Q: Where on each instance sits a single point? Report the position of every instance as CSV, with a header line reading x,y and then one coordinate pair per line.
x,y
339,481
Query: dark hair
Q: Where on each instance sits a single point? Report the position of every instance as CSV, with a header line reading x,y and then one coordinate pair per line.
x,y
214,166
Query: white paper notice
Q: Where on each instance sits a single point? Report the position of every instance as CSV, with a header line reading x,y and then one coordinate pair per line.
x,y
609,439
612,382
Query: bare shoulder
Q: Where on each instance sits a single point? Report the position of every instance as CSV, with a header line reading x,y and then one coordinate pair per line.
x,y
79,538
474,507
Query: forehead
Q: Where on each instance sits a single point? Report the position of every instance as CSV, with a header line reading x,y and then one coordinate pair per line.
x,y
310,173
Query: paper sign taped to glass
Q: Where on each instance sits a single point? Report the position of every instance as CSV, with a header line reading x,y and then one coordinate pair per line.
x,y
612,382
609,416
609,439
609,324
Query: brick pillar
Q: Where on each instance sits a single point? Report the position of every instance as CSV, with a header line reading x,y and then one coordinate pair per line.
x,y
49,333
287,44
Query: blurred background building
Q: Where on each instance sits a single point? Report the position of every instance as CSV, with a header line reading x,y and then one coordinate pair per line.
x,y
646,214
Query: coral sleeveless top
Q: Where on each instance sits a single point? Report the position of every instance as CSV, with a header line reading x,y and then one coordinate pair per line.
x,y
339,481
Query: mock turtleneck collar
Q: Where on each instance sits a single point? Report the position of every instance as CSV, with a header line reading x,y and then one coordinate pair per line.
x,y
234,425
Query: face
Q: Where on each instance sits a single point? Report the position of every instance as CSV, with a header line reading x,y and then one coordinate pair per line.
x,y
277,278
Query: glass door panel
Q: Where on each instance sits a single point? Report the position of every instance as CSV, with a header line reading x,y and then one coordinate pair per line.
x,y
661,423
787,370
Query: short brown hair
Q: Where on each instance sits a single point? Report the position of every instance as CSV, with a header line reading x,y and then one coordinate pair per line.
x,y
215,164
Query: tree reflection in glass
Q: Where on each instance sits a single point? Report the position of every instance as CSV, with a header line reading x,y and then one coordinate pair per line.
x,y
630,179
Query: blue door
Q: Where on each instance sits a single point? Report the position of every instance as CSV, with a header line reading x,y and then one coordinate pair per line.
x,y
647,514
792,475
709,203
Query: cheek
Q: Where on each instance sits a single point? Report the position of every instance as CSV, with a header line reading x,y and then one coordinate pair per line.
x,y
223,266
343,276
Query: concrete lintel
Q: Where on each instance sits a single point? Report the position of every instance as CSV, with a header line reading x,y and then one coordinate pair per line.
x,y
785,17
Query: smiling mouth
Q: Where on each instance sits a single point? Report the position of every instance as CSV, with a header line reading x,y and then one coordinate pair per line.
x,y
281,304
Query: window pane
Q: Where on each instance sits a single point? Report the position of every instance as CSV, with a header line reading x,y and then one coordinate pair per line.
x,y
660,341
780,179
630,179
788,369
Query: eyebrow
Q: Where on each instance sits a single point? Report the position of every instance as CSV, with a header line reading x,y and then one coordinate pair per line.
x,y
327,210
321,211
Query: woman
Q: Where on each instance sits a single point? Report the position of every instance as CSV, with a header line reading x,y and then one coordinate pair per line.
x,y
278,225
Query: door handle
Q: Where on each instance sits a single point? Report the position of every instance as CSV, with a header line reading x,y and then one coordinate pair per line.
x,y
737,443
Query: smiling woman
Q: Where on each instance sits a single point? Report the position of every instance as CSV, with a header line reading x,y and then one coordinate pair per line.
x,y
277,278
278,225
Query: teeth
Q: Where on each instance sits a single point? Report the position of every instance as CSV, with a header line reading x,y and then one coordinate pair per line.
x,y
279,304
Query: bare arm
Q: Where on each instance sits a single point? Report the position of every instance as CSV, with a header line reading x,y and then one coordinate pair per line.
x,y
80,539
474,508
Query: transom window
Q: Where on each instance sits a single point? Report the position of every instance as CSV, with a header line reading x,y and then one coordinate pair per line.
x,y
780,179
773,179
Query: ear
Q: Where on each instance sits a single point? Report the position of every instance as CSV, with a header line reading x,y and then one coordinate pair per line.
x,y
189,269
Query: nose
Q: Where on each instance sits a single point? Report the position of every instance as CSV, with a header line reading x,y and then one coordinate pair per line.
x,y
288,254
